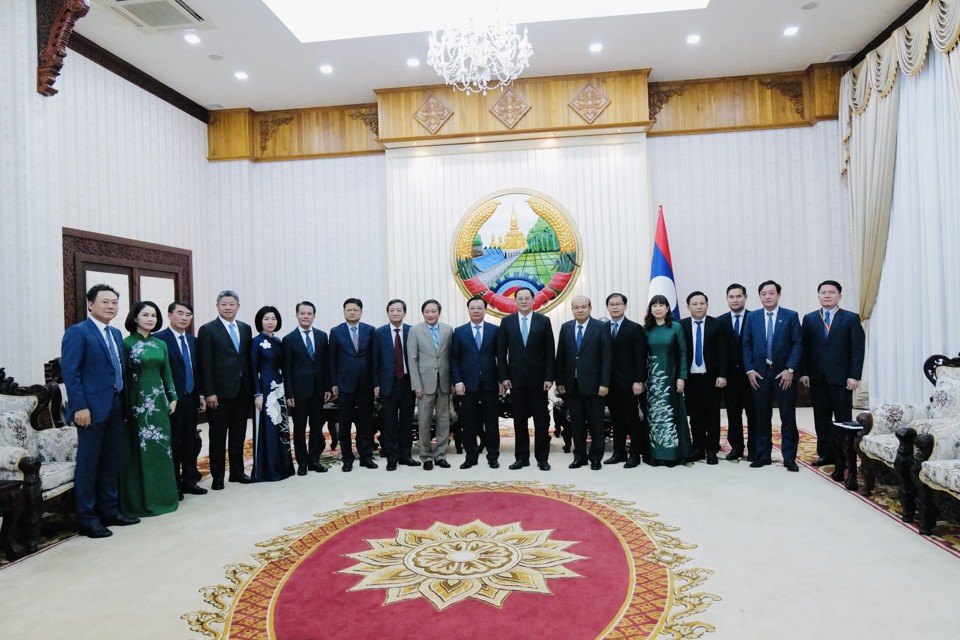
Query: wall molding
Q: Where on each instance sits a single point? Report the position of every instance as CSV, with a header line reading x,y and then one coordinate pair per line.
x,y
55,22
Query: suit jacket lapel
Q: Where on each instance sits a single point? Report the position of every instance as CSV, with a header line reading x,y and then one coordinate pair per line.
x,y
92,326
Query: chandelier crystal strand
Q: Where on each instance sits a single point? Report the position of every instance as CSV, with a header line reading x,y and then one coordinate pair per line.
x,y
471,56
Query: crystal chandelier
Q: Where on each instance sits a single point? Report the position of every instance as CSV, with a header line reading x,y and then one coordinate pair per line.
x,y
483,54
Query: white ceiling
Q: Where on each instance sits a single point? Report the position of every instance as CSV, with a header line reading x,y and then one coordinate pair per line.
x,y
738,37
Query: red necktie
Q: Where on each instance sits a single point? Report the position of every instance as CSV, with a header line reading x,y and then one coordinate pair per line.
x,y
397,355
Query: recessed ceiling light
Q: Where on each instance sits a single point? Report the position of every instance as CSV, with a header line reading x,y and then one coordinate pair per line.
x,y
192,38
595,47
693,38
413,62
325,68
241,75
791,31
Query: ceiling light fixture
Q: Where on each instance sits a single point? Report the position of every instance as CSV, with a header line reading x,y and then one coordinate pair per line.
x,y
479,54
192,38
596,47
693,38
413,62
325,68
791,31
241,75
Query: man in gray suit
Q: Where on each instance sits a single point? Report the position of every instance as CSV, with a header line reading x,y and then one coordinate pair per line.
x,y
428,352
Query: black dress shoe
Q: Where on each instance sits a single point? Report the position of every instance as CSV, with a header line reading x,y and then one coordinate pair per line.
x,y
301,470
595,465
822,462
576,464
697,455
217,485
180,496
791,465
733,456
96,531
466,464
391,466
494,464
442,463
316,466
520,464
751,458
543,466
615,459
194,490
632,462
428,465
347,467
119,520
756,464
711,458
410,462
369,464
242,479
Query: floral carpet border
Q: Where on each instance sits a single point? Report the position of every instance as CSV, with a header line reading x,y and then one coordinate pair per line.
x,y
672,616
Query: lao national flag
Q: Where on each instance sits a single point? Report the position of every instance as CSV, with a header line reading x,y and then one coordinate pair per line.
x,y
661,268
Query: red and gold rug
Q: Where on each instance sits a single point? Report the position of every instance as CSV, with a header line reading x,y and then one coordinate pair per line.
x,y
500,559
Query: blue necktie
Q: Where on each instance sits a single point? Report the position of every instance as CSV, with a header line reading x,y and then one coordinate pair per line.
x,y
306,336
579,336
435,330
769,336
234,337
478,337
117,366
615,329
187,365
524,331
826,325
736,325
698,349
355,336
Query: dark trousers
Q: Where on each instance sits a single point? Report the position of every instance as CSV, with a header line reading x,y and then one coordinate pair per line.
x,y
529,403
396,414
356,408
308,411
763,404
229,420
479,417
831,402
586,412
625,415
97,474
185,441
739,398
703,409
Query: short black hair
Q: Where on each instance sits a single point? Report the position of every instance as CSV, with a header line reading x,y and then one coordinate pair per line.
x,y
395,301
97,288
130,324
480,298
693,294
833,282
768,282
306,303
737,285
179,303
519,289
616,295
258,319
356,301
431,301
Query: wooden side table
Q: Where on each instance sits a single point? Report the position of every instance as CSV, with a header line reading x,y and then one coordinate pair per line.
x,y
11,508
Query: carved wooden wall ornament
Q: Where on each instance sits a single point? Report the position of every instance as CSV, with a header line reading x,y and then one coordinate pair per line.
x,y
659,97
432,114
589,103
269,127
369,117
792,90
509,109
55,22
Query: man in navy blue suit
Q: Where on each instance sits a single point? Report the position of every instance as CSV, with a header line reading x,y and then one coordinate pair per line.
x,y
305,371
738,393
772,347
351,381
184,436
707,364
473,369
91,357
391,372
833,352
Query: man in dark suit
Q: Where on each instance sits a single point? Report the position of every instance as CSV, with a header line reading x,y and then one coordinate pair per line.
x,y
473,368
832,365
772,347
91,357
707,366
391,374
351,380
526,358
305,370
185,441
627,379
738,393
584,360
227,380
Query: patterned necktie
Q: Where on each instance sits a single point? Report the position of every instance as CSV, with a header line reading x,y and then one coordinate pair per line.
x,y
234,337
397,355
355,336
698,348
187,365
310,351
524,330
769,336
616,327
477,336
579,336
115,359
826,324
736,325
435,332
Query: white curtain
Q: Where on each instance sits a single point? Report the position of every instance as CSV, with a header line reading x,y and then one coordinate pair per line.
x,y
917,312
